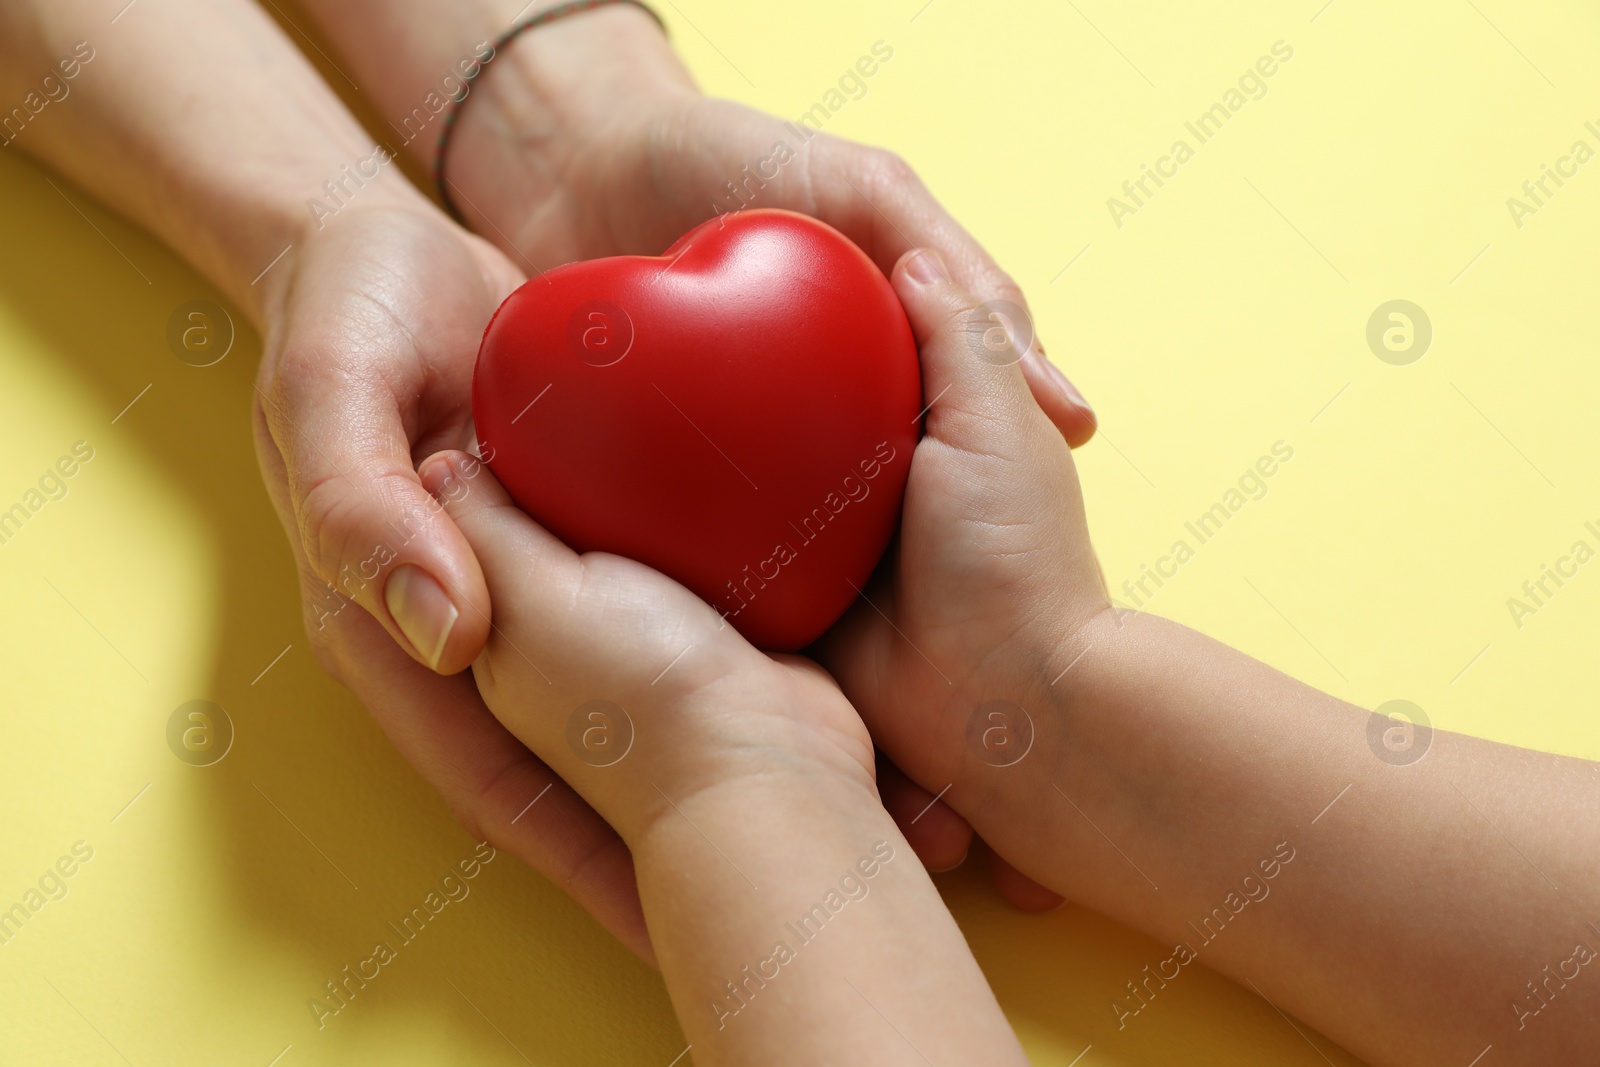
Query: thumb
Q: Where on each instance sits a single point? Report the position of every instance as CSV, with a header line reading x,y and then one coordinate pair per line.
x,y
368,528
533,578
983,357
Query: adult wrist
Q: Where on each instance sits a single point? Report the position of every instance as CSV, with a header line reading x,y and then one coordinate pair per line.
x,y
548,102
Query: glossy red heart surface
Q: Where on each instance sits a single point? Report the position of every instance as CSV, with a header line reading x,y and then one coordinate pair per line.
x,y
738,413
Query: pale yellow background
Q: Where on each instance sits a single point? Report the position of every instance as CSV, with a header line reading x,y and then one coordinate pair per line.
x,y
1222,317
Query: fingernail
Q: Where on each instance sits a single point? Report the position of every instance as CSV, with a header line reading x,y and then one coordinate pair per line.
x,y
422,611
926,267
434,473
1066,385
953,866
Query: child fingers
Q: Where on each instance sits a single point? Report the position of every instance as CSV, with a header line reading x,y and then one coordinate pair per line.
x,y
981,365
525,567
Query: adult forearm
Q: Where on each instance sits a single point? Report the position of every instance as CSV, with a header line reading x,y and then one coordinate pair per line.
x,y
794,925
1397,888
549,92
200,121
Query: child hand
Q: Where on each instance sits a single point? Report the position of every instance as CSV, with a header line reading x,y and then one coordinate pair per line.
x,y
594,659
993,579
1167,781
742,786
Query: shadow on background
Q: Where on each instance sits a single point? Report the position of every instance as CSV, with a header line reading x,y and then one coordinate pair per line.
x,y
323,836
312,801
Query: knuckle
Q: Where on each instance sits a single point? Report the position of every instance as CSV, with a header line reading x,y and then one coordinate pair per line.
x,y
887,169
998,331
296,361
339,519
286,365
1006,288
974,325
496,798
325,513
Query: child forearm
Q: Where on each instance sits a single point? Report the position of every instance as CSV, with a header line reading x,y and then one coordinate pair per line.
x,y
1407,891
794,925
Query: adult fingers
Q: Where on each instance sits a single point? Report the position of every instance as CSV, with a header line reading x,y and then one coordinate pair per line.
x,y
361,367
368,530
877,199
498,790
1017,889
1058,398
938,836
870,195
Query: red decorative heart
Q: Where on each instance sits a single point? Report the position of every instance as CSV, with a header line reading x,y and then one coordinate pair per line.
x,y
738,413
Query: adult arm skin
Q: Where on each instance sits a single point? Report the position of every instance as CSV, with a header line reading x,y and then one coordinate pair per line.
x,y
203,123
588,137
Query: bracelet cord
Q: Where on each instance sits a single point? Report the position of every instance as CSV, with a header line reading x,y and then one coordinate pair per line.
x,y
441,184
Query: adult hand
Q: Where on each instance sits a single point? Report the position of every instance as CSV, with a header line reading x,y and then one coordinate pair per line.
x,y
372,323
373,329
587,138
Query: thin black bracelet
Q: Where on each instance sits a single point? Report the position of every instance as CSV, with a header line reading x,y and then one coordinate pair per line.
x,y
453,111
